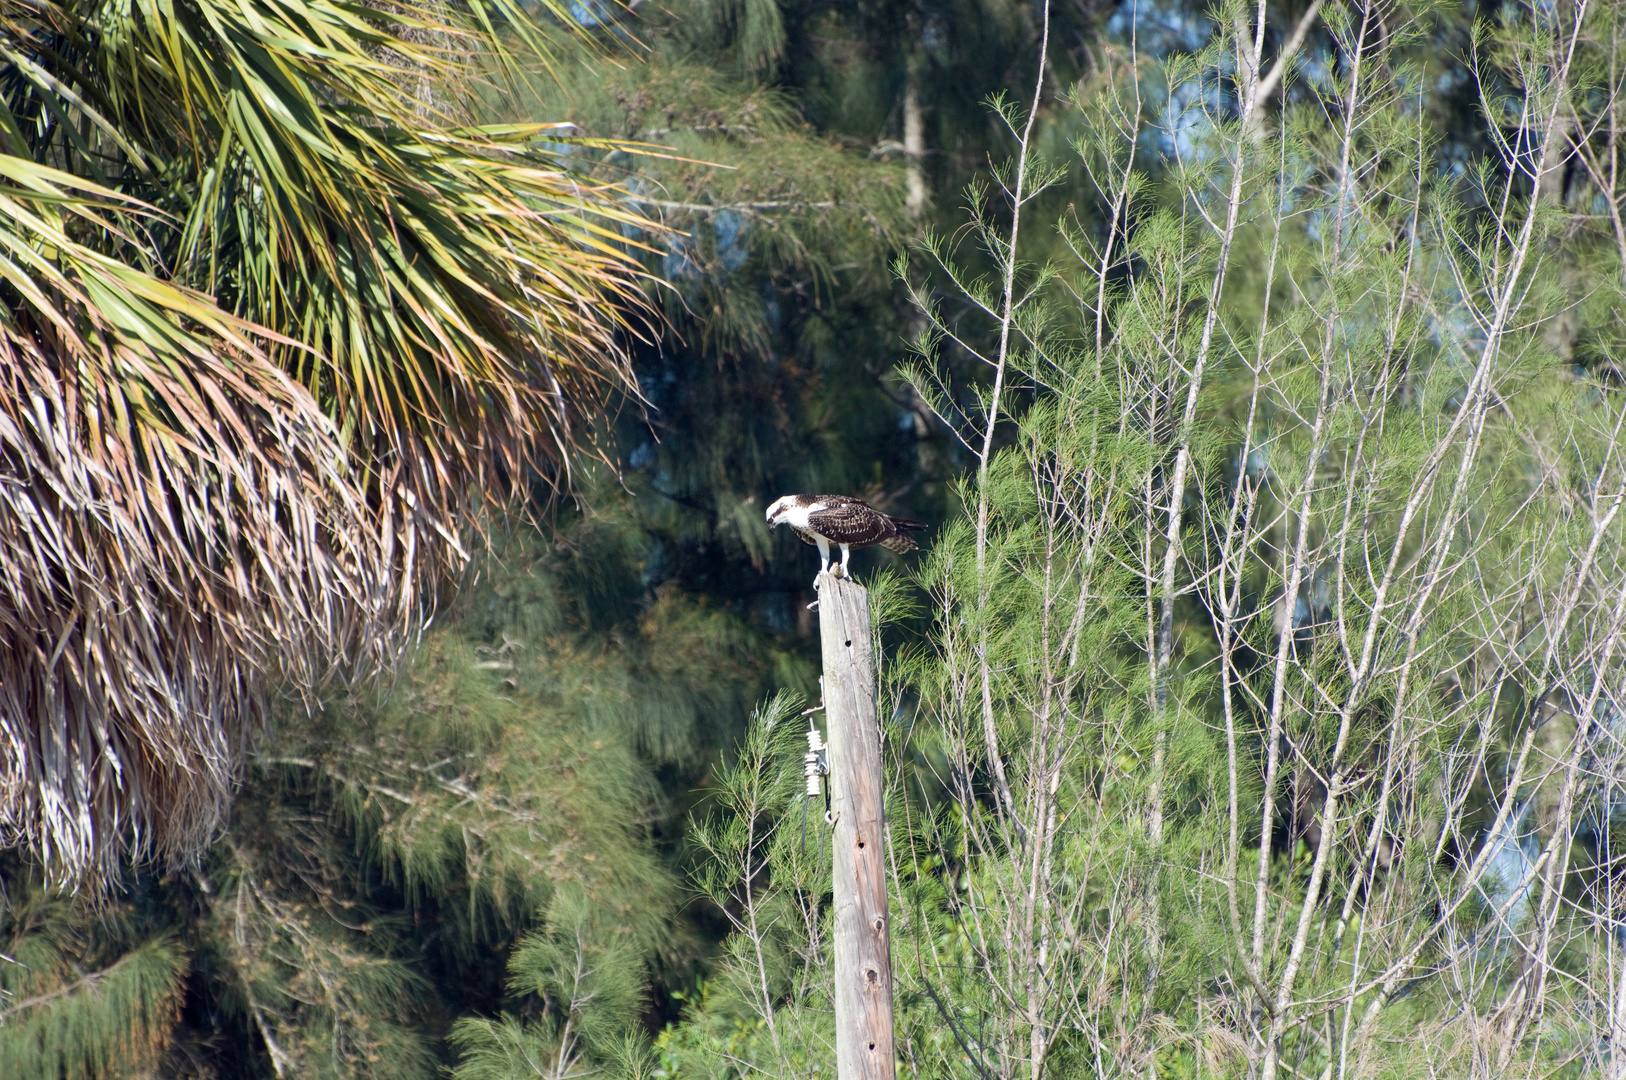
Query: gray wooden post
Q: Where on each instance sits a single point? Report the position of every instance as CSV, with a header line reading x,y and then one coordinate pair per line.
x,y
863,952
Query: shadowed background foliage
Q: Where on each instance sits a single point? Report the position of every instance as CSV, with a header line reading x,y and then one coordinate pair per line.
x,y
305,298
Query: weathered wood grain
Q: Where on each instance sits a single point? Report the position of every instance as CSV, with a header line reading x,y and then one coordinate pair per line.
x,y
863,957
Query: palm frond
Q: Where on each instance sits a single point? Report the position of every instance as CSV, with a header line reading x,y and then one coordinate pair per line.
x,y
280,318
177,520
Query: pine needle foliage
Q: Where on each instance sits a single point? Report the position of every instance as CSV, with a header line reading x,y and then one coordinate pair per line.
x,y
494,791
767,1000
1269,721
84,1000
507,799
773,371
282,313
586,970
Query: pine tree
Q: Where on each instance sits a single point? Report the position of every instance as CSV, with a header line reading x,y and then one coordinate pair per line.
x,y
778,373
390,850
1268,721
84,997
1122,727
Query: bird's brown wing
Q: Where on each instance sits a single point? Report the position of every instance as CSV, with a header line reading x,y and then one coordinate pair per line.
x,y
850,521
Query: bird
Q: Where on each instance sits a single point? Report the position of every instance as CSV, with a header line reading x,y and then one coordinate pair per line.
x,y
842,520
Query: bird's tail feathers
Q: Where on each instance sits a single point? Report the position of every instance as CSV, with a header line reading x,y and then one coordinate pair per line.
x,y
906,524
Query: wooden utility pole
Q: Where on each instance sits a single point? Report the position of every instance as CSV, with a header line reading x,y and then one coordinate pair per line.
x,y
862,935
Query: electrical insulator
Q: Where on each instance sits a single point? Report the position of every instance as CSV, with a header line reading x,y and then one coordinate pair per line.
x,y
813,762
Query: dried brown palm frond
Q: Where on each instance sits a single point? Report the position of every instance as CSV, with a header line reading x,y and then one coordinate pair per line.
x,y
276,324
177,521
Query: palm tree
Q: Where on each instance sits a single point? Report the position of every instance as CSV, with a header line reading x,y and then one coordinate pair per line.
x,y
279,318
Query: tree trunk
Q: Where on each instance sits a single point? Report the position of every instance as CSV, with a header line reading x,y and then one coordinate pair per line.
x,y
914,142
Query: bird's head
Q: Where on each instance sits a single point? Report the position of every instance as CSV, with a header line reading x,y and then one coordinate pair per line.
x,y
781,507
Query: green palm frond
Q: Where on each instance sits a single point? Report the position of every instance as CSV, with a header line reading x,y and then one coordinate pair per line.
x,y
280,318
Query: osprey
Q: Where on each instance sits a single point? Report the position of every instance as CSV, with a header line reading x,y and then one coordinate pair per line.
x,y
841,519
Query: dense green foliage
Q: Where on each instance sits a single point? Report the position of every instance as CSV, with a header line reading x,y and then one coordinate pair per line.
x,y
1269,717
1252,710
390,848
